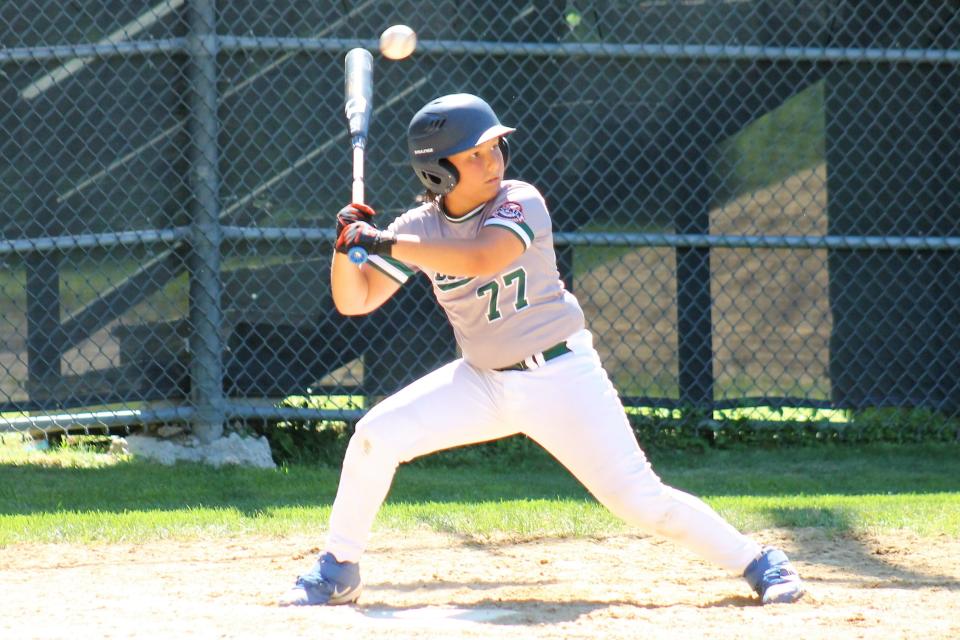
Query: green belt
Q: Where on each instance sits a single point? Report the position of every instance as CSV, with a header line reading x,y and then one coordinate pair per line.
x,y
546,355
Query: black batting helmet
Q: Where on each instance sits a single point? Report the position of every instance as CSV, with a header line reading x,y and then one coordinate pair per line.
x,y
445,126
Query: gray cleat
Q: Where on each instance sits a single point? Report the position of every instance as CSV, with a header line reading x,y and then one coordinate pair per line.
x,y
328,583
773,577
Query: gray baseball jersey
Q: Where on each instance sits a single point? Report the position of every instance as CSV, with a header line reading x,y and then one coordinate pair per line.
x,y
497,320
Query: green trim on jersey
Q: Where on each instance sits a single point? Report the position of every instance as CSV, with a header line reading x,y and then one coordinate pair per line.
x,y
463,218
454,285
520,229
393,269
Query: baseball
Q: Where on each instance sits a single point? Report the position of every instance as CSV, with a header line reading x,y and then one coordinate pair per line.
x,y
398,42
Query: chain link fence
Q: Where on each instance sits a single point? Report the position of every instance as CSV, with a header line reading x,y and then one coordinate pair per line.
x,y
757,202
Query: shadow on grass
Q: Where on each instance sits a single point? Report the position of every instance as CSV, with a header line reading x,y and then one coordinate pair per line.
x,y
136,485
27,489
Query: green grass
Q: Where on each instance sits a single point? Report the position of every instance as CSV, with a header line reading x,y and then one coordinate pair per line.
x,y
84,497
924,514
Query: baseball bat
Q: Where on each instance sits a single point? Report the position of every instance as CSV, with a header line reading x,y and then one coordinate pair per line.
x,y
358,105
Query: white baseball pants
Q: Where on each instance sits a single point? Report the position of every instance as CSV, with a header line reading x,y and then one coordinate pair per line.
x,y
568,406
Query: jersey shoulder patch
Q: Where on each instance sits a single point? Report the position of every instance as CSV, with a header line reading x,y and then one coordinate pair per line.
x,y
509,215
509,210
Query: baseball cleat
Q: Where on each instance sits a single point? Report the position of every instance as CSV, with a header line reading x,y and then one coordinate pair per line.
x,y
328,583
773,577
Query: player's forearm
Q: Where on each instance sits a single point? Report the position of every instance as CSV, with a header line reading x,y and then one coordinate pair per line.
x,y
457,257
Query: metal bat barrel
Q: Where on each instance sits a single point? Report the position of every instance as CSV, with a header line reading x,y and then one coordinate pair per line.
x,y
358,90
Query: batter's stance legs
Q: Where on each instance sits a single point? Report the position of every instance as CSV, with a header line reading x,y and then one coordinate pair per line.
x,y
452,406
572,410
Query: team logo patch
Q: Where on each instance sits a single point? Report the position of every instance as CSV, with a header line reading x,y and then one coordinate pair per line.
x,y
509,211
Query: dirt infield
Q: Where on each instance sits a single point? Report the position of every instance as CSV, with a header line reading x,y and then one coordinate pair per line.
x,y
438,586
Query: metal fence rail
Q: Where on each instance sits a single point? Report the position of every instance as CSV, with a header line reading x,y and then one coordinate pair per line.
x,y
756,202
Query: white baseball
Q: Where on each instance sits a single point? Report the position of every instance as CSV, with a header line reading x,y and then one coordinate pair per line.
x,y
398,42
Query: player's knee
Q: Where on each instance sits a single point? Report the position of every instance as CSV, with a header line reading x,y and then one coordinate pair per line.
x,y
637,495
624,479
371,442
641,505
394,436
655,507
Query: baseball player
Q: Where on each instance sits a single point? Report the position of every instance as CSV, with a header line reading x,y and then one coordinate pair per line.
x,y
528,364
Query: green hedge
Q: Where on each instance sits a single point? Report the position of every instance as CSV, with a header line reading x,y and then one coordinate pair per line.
x,y
325,442
874,426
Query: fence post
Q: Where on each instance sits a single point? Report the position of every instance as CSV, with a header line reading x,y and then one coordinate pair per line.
x,y
44,345
40,216
206,362
694,301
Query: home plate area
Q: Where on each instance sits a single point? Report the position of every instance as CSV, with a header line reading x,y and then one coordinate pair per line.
x,y
434,585
427,617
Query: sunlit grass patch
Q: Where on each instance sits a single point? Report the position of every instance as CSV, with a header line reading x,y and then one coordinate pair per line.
x,y
76,452
763,414
325,402
784,414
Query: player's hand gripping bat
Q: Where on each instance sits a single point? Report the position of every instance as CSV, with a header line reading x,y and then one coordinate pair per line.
x,y
358,91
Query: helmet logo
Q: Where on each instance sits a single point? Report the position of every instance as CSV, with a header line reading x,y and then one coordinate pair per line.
x,y
419,152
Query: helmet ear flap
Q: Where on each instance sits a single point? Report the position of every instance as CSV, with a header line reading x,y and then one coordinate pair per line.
x,y
450,178
446,178
440,178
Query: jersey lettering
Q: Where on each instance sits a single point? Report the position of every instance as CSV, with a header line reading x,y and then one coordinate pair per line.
x,y
446,283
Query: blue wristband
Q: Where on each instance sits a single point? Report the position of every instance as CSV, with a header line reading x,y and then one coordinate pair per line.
x,y
357,255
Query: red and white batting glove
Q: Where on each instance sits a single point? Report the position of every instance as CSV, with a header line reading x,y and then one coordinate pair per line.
x,y
362,234
354,212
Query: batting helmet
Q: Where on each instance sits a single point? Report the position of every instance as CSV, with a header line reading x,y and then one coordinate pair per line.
x,y
445,126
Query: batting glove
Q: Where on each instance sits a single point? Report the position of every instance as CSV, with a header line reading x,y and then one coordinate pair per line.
x,y
362,234
354,212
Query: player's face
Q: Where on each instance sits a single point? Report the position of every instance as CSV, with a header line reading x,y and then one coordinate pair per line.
x,y
481,171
